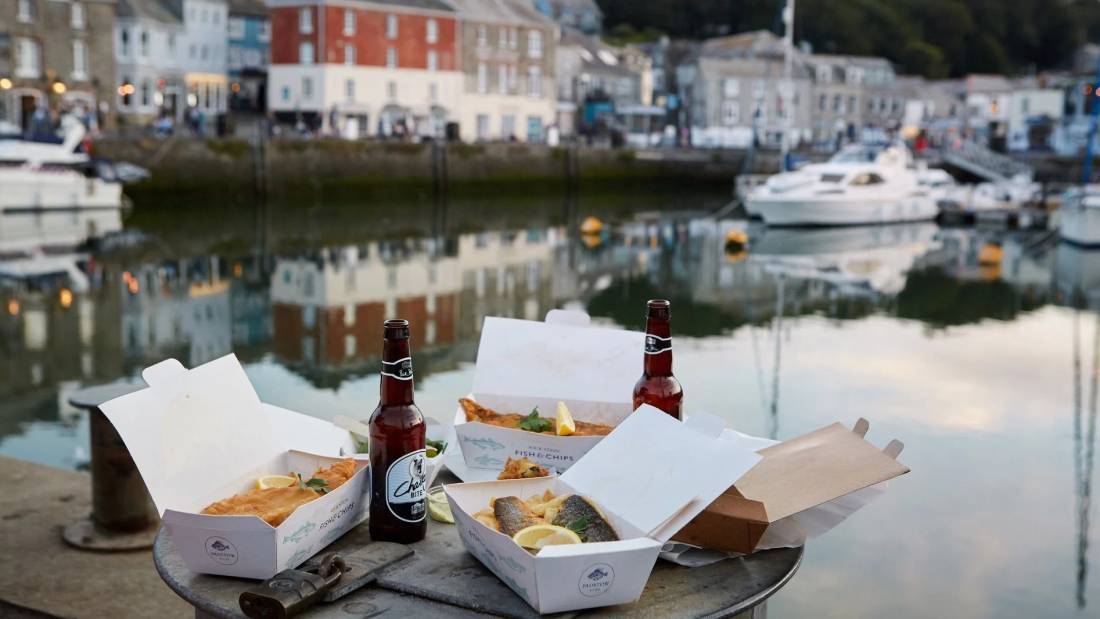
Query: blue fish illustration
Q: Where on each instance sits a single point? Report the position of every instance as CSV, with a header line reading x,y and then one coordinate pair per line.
x,y
299,555
514,586
513,564
488,461
301,533
484,443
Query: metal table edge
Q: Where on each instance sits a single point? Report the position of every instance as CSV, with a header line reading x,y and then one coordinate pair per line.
x,y
764,595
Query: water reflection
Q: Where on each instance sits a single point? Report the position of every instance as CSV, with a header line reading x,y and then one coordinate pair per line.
x,y
301,302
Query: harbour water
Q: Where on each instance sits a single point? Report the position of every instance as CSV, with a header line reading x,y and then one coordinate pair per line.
x,y
979,349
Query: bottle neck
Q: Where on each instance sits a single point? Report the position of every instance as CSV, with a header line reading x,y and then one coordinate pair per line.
x,y
396,386
658,347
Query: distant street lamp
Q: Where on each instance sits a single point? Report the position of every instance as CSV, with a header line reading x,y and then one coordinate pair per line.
x,y
5,83
58,88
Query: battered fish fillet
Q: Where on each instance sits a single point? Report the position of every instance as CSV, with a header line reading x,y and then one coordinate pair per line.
x,y
513,515
477,412
510,515
522,469
274,505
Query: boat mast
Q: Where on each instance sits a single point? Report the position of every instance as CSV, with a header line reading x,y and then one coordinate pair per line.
x,y
788,86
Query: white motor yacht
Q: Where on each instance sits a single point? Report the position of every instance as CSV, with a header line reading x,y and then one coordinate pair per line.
x,y
1079,216
42,176
861,184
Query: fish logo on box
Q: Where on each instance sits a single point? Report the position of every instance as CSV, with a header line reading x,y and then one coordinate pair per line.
x,y
596,580
221,550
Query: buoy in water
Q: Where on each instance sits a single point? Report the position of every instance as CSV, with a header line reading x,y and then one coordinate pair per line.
x,y
990,254
736,241
591,225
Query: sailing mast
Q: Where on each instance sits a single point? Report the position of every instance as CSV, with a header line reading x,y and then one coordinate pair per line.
x,y
787,86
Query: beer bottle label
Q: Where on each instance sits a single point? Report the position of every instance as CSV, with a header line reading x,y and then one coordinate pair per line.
x,y
405,491
655,345
402,369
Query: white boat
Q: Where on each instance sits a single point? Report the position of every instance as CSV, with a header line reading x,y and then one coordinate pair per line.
x,y
40,176
938,183
1079,216
861,184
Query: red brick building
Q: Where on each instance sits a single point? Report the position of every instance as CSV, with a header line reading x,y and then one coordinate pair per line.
x,y
365,67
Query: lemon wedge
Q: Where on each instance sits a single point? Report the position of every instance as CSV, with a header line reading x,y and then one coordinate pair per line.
x,y
275,481
565,424
539,536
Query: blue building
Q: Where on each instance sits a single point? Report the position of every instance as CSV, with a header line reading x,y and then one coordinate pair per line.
x,y
249,53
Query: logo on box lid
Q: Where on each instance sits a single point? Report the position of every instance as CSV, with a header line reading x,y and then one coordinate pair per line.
x,y
221,550
596,579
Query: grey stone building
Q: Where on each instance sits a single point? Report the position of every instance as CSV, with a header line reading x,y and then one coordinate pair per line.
x,y
732,92
594,78
508,57
56,55
851,93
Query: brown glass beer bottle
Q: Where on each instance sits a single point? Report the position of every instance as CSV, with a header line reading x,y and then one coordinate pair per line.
x,y
657,386
398,506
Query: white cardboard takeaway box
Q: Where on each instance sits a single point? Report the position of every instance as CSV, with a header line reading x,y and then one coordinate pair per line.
x,y
203,435
650,476
525,363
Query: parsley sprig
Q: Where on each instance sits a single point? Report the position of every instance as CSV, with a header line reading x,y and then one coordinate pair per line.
x,y
315,484
580,527
534,423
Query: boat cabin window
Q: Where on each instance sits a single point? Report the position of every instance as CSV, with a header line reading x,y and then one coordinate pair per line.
x,y
866,178
832,178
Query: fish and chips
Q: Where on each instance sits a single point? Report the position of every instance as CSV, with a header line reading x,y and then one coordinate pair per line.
x,y
522,469
562,425
273,505
546,519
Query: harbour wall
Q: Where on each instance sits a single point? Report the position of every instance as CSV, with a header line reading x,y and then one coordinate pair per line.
x,y
295,168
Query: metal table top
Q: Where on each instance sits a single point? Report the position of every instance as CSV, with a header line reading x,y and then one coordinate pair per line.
x,y
442,579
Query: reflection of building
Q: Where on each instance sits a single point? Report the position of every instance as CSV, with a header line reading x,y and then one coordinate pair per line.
x,y
387,67
328,309
176,309
508,70
55,53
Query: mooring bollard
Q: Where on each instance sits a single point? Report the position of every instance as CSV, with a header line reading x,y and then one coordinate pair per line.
x,y
123,516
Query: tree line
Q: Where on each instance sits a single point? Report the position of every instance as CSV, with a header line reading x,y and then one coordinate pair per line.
x,y
933,38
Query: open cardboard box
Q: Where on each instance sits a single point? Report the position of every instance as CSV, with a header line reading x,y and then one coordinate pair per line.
x,y
203,435
649,477
523,363
802,488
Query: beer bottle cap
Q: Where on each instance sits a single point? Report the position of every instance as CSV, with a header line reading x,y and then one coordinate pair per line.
x,y
396,329
658,308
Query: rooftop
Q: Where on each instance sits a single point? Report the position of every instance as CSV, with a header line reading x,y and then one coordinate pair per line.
x,y
155,10
499,11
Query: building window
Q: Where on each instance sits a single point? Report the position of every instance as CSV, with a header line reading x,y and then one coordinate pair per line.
x,y
534,81
265,31
205,52
80,60
433,60
853,104
503,38
145,92
235,28
391,26
307,88
144,42
26,11
391,57
391,91
507,126
838,104
349,54
305,53
433,92
305,20
349,22
191,52
534,44
502,79
432,34
349,90
286,93
76,16
513,38
731,88
534,129
124,42
483,126
29,62
731,113
482,35
623,87
513,77
482,77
